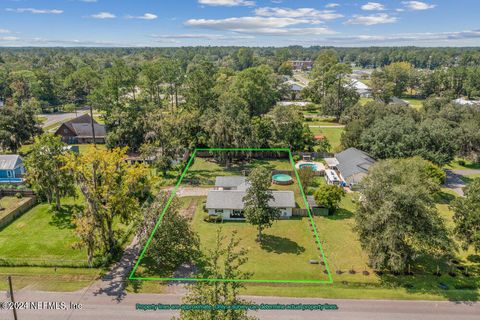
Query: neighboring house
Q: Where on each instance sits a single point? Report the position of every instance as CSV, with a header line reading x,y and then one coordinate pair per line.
x,y
11,168
226,200
399,102
305,65
361,88
79,131
295,89
465,102
353,165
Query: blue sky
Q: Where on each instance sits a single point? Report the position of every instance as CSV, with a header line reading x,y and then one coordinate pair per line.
x,y
165,23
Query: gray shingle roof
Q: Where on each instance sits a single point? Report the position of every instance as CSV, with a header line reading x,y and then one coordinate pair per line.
x,y
229,182
9,161
353,162
233,199
84,130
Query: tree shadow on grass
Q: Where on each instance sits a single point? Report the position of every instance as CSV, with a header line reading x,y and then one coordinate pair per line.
x,y
460,287
444,197
340,214
275,244
63,218
475,258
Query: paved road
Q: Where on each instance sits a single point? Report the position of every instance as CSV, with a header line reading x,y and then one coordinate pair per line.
x,y
106,307
53,118
454,179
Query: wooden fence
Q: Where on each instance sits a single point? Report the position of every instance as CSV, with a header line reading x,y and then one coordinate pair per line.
x,y
13,192
14,214
299,212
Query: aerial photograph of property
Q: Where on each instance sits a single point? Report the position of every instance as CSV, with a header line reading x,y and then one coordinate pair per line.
x,y
239,160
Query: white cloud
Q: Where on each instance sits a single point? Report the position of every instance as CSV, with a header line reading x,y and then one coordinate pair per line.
x,y
373,6
9,38
206,36
298,13
227,3
370,20
89,1
259,25
146,16
5,31
410,37
103,15
418,5
35,11
332,5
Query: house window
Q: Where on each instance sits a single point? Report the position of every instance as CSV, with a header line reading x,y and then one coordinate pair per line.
x,y
237,214
9,174
219,211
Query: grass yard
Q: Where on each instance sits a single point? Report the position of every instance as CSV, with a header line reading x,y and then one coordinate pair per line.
x,y
288,246
344,253
466,164
415,103
42,236
48,279
332,134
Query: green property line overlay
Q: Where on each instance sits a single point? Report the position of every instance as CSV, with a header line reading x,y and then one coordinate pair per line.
x,y
174,191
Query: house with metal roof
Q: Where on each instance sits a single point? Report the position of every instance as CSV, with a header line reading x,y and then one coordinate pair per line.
x,y
11,168
79,131
353,165
226,200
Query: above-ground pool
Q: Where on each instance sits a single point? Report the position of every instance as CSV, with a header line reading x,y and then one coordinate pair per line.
x,y
282,179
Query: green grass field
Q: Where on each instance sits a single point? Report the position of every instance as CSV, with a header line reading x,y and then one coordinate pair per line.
x,y
467,164
332,134
43,236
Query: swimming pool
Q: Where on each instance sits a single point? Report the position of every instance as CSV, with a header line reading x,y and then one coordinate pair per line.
x,y
282,179
313,166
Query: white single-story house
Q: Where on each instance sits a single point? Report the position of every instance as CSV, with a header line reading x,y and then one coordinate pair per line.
x,y
226,200
361,88
353,165
11,168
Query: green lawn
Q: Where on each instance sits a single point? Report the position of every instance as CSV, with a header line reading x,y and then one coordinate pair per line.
x,y
415,103
455,165
48,279
332,134
42,236
284,254
344,253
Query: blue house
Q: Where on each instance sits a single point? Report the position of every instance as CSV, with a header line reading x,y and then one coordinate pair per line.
x,y
11,168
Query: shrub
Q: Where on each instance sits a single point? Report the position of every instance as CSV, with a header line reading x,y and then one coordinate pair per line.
x,y
19,195
296,158
462,163
213,219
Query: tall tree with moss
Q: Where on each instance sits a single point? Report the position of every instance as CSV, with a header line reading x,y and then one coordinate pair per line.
x,y
257,211
113,191
46,170
221,262
397,219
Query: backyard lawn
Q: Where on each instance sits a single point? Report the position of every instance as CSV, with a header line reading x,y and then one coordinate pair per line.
x,y
332,134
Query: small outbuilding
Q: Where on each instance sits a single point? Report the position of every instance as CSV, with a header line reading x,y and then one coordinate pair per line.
x,y
11,168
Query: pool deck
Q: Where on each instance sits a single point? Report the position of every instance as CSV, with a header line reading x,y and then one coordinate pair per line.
x,y
320,166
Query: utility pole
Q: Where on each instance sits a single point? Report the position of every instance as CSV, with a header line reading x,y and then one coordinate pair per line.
x,y
12,298
93,127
